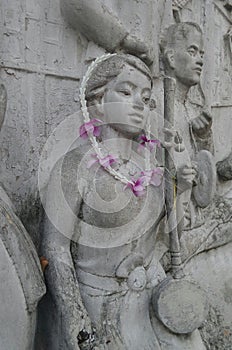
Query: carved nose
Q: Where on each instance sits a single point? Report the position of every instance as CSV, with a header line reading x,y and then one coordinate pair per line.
x,y
138,103
199,60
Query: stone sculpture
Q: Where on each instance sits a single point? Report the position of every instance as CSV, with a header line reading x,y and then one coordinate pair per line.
x,y
101,25
208,218
102,268
183,51
224,168
22,284
183,59
120,27
42,78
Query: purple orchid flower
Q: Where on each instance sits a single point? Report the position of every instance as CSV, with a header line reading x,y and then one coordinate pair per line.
x,y
150,142
153,177
104,162
137,187
90,127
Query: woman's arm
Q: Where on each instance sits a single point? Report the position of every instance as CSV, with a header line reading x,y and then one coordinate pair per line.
x,y
60,275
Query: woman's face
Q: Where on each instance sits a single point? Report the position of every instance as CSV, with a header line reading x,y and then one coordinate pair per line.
x,y
126,101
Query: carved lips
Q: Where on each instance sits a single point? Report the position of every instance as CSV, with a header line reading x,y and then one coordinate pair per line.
x,y
135,117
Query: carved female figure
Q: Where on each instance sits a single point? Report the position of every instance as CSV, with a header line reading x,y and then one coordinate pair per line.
x,y
104,266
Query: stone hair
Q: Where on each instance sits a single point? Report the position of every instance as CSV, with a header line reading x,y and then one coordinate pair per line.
x,y
110,68
177,32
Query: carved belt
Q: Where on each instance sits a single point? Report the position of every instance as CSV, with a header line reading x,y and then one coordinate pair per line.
x,y
131,274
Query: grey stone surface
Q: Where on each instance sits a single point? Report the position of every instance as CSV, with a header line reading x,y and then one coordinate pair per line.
x,y
224,168
210,270
22,284
115,273
45,50
180,305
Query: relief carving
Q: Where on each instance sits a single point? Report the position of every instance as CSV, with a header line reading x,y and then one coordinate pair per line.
x,y
135,235
183,50
120,26
224,168
208,215
19,269
183,59
103,269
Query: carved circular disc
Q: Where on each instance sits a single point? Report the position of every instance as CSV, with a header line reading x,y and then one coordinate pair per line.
x,y
204,191
180,305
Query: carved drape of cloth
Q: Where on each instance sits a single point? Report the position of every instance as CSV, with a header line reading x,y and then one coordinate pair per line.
x,y
121,312
184,114
113,243
22,252
113,254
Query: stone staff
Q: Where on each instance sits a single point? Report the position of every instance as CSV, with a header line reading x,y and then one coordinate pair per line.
x,y
170,186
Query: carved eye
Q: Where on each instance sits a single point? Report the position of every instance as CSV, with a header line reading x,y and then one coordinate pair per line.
x,y
192,52
125,92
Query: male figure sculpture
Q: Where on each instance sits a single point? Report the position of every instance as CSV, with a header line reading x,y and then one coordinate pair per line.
x,y
182,50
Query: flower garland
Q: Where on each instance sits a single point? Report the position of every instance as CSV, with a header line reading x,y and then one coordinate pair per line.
x,y
90,130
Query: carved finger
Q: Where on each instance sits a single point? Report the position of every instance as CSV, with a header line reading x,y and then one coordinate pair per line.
x,y
195,124
205,120
189,182
167,145
189,172
169,132
207,115
185,166
202,125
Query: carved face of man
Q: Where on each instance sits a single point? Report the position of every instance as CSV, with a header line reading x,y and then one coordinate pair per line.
x,y
187,58
126,101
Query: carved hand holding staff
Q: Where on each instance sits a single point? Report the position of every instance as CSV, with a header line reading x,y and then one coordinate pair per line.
x,y
175,296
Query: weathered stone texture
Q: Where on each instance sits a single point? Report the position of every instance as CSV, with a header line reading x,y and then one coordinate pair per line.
x,y
45,48
41,66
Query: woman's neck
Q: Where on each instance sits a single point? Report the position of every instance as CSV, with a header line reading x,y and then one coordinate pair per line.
x,y
116,143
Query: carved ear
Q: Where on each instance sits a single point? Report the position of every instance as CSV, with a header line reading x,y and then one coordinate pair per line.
x,y
169,57
96,106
